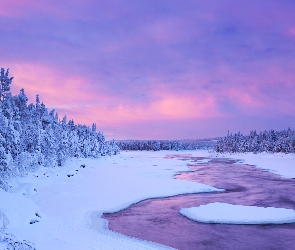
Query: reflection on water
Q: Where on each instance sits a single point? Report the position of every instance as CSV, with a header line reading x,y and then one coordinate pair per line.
x,y
158,220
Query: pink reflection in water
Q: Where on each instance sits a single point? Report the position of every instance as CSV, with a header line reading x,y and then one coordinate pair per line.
x,y
158,220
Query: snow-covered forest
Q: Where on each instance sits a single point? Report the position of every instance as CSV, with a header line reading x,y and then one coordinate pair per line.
x,y
31,136
155,145
266,141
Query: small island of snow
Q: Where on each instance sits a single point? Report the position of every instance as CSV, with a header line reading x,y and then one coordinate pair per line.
x,y
237,214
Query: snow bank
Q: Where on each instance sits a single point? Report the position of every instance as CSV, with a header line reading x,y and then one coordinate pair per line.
x,y
17,211
237,214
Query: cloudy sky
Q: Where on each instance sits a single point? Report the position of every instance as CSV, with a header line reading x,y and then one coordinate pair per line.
x,y
156,69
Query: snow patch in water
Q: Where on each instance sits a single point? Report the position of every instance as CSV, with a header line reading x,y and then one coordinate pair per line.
x,y
237,214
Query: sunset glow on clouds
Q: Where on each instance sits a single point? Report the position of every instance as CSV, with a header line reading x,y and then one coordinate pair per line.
x,y
156,69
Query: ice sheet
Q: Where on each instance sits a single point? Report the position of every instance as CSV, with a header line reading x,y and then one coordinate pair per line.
x,y
237,214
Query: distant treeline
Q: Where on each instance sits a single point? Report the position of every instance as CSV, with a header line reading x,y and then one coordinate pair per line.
x,y
155,145
266,141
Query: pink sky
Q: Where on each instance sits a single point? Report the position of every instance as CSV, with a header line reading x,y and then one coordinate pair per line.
x,y
156,69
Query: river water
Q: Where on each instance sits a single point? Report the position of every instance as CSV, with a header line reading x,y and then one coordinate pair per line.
x,y
158,220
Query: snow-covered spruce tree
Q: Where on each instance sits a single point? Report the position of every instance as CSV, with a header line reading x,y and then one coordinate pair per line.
x,y
266,141
5,83
31,136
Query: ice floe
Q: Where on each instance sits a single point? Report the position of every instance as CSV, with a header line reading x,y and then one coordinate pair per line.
x,y
237,214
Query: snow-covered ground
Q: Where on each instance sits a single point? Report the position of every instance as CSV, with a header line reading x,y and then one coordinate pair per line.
x,y
62,208
237,214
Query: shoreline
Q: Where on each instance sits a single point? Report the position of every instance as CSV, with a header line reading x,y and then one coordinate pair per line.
x,y
106,184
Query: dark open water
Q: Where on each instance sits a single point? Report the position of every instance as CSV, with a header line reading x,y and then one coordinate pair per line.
x,y
158,220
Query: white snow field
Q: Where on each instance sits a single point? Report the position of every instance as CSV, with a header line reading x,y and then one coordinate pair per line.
x,y
237,214
61,208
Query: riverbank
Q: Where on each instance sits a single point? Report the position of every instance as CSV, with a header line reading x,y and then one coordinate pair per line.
x,y
65,204
277,163
247,187
65,199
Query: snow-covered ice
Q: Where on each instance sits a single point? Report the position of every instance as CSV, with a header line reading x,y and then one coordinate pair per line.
x,y
277,163
237,214
203,161
65,204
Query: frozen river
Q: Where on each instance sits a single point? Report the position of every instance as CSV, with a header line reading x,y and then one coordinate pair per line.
x,y
158,220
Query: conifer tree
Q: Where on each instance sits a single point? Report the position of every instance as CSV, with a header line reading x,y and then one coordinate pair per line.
x,y
5,83
31,136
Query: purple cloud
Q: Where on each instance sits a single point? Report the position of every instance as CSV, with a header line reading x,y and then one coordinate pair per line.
x,y
170,69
